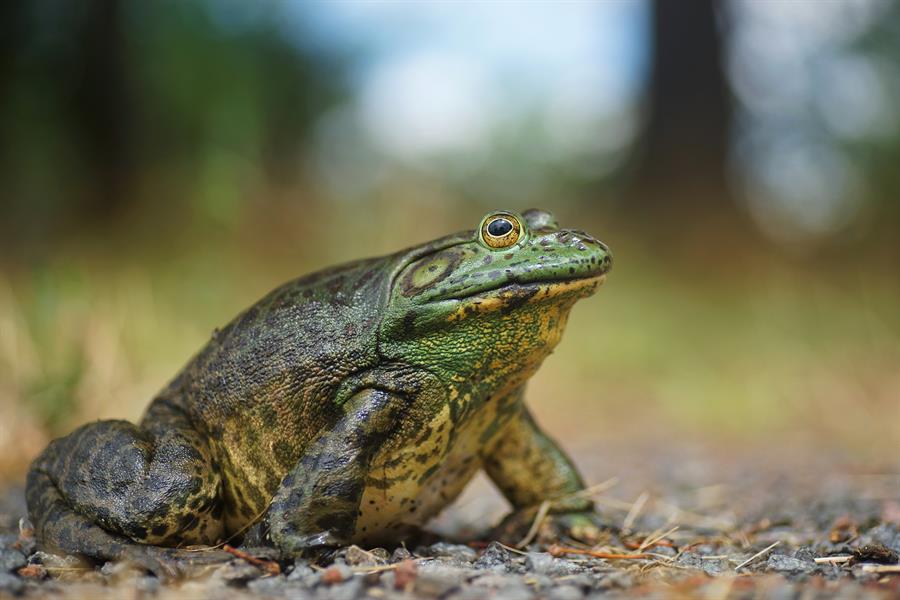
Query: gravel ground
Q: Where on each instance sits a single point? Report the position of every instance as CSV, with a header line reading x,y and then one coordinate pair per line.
x,y
680,524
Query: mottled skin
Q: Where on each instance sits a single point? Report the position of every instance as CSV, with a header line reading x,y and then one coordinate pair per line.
x,y
350,405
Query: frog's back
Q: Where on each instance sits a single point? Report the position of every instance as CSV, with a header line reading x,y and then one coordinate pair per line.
x,y
263,386
298,340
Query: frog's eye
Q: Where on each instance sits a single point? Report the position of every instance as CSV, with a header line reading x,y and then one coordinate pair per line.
x,y
501,230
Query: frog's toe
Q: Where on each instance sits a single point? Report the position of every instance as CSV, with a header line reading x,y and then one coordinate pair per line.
x,y
514,527
257,536
320,555
170,564
582,526
523,526
160,562
312,546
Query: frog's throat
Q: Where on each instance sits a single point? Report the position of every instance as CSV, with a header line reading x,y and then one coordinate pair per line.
x,y
504,298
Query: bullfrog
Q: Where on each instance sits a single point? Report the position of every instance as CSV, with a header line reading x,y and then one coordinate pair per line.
x,y
347,406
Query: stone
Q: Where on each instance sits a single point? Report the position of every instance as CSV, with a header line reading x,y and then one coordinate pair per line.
x,y
886,534
275,586
439,579
301,571
400,554
11,559
544,564
458,552
565,592
339,572
236,573
788,564
710,566
507,587
347,590
357,557
495,558
147,584
10,584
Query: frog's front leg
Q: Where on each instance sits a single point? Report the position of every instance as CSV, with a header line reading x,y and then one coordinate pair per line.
x,y
317,504
529,468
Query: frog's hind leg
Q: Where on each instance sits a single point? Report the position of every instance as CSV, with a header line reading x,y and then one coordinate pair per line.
x,y
61,529
110,484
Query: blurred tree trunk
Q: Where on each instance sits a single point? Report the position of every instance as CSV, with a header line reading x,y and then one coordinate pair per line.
x,y
11,28
103,109
681,174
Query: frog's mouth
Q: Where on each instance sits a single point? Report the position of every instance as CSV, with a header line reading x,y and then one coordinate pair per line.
x,y
565,286
515,294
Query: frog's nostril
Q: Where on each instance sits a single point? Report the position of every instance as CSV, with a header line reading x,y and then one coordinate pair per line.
x,y
606,263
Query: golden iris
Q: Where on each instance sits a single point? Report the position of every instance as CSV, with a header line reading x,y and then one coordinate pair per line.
x,y
501,230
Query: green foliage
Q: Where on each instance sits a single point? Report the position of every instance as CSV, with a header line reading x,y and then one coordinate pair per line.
x,y
126,99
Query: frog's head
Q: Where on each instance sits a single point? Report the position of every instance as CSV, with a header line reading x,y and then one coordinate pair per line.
x,y
504,289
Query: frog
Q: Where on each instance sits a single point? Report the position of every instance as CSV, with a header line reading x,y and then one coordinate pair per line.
x,y
348,406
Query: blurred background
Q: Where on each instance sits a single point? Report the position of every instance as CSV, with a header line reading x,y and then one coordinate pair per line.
x,y
165,164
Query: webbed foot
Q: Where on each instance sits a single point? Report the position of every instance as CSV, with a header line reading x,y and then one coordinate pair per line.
x,y
527,525
317,547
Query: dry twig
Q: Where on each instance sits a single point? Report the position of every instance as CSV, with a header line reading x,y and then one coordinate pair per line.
x,y
655,537
545,506
833,559
881,568
536,524
757,555
634,511
511,549
597,488
558,551
269,566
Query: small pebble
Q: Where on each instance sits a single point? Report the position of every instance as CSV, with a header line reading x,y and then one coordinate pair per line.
x,y
336,573
565,592
268,586
236,573
302,572
10,584
494,558
507,587
147,584
357,557
437,580
399,554
11,559
788,564
458,552
544,564
350,589
709,566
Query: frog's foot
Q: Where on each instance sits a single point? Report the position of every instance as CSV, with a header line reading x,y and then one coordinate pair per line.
x,y
153,559
171,564
109,490
316,507
317,547
64,531
529,525
586,527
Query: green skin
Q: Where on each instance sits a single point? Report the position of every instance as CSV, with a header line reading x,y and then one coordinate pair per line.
x,y
347,406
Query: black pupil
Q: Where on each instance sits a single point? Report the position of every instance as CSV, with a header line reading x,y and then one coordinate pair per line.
x,y
499,227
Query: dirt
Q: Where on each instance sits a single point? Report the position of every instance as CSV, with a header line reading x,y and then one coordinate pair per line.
x,y
678,522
